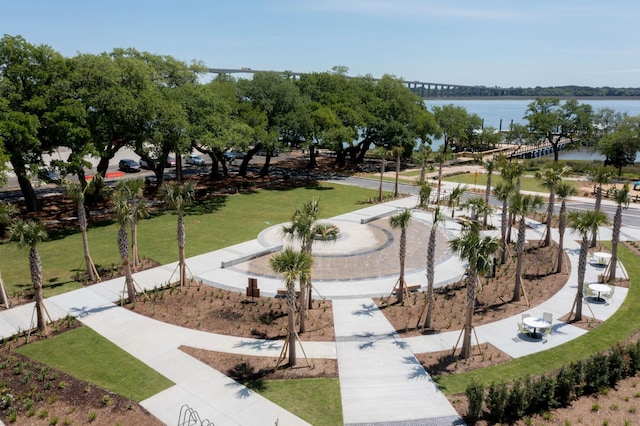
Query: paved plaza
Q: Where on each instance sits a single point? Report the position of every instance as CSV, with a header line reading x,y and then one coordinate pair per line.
x,y
381,381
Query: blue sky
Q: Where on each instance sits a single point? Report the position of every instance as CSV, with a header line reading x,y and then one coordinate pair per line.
x,y
490,42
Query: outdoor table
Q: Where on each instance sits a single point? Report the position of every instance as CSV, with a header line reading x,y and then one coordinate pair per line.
x,y
601,258
600,288
536,323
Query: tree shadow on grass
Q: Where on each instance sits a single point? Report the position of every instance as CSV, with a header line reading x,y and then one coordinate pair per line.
x,y
206,206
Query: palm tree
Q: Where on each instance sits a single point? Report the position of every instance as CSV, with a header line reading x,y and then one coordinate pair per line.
x,y
421,155
564,191
503,192
583,222
122,211
303,228
7,211
179,197
511,172
455,196
478,207
77,194
522,205
620,197
550,177
440,158
132,190
28,234
600,176
438,218
293,265
401,221
478,252
424,194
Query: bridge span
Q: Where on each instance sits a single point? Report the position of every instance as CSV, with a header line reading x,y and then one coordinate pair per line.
x,y
424,89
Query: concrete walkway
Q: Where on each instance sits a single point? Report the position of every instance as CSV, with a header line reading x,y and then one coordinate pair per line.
x,y
381,381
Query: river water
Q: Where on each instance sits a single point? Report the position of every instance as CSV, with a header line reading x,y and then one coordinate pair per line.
x,y
500,113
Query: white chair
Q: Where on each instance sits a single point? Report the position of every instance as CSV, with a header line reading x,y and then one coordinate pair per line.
x,y
548,317
522,329
547,332
525,316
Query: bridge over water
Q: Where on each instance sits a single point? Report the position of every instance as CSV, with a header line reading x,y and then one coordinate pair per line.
x,y
424,89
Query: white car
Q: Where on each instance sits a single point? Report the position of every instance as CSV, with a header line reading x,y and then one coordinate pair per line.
x,y
196,160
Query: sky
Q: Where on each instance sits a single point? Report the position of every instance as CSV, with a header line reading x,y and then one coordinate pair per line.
x,y
506,43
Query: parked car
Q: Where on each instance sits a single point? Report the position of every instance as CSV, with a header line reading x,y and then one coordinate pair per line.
x,y
196,160
128,165
143,164
263,151
49,176
171,162
234,155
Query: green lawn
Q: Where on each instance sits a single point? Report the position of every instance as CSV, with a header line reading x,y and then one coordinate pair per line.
x,y
218,223
86,355
527,183
315,400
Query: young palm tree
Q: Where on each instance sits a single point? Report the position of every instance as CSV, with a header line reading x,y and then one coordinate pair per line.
x,y
564,191
7,211
478,207
178,197
440,158
421,155
583,222
621,198
293,265
550,178
77,194
424,194
522,205
122,211
28,234
511,172
438,218
503,192
303,227
479,253
455,196
401,221
600,176
132,190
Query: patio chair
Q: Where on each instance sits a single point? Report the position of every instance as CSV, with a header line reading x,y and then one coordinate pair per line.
x,y
522,329
547,333
589,293
548,317
525,316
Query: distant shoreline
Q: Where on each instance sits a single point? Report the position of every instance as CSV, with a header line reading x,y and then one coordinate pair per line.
x,y
521,98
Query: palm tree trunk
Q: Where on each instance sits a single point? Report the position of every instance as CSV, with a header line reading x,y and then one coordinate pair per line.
x,y
470,307
403,252
181,237
396,190
503,232
382,167
35,264
431,250
547,241
562,224
615,239
594,235
123,246
582,266
291,320
134,244
487,192
519,259
439,182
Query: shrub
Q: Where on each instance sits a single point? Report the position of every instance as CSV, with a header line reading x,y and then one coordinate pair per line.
x,y
633,354
475,399
596,373
516,402
497,401
615,365
565,384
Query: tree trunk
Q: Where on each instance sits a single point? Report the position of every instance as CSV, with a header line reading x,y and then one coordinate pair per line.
x,y
30,198
439,183
403,251
561,228
382,167
291,322
396,190
82,222
582,266
472,279
487,193
552,193
265,168
181,237
503,233
123,247
431,250
313,161
35,265
615,239
134,243
594,235
519,259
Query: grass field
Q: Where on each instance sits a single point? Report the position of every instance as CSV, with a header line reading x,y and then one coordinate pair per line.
x,y
218,222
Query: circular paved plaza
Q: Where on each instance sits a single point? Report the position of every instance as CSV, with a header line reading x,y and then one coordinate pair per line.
x,y
361,251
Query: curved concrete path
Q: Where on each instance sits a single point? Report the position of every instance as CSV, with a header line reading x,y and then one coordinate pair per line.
x,y
381,381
